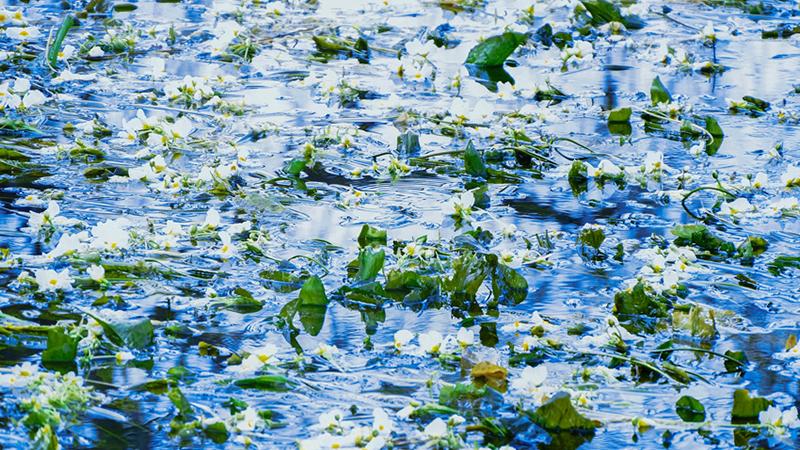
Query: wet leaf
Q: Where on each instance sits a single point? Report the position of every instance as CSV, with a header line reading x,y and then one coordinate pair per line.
x,y
746,408
273,383
370,263
311,305
473,162
489,374
135,333
449,395
690,409
558,414
370,235
495,50
61,347
659,93
638,301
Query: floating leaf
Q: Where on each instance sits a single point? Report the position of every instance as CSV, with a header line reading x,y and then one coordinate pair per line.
x,y
495,50
133,333
449,395
311,305
690,409
746,408
558,414
620,115
638,301
274,383
61,347
489,374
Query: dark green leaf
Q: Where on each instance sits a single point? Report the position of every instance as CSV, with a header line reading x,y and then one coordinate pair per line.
x,y
558,414
473,162
371,236
274,383
690,409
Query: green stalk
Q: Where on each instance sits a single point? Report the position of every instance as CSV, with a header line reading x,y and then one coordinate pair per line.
x,y
52,52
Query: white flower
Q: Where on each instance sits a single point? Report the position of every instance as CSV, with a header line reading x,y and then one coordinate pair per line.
x,y
96,52
50,280
654,162
508,230
111,235
460,205
23,33
25,370
455,420
326,351
331,419
381,422
123,357
436,429
96,272
736,207
248,419
227,250
431,341
531,380
791,177
212,219
69,243
777,420
402,338
760,181
465,337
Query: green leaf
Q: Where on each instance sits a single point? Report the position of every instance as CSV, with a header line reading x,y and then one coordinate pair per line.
x,y
558,414
133,333
55,47
449,395
700,237
370,263
604,12
241,302
508,284
181,402
408,143
747,408
577,177
659,93
274,383
690,409
61,347
371,236
473,162
637,301
783,262
217,432
731,366
495,50
620,115
311,304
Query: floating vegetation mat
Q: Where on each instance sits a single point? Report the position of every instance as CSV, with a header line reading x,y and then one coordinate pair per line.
x,y
442,224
